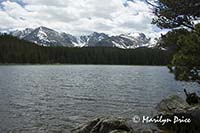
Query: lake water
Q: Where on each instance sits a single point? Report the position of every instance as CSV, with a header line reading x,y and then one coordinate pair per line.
x,y
57,98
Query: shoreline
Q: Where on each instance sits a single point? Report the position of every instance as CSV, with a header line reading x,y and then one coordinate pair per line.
x,y
53,64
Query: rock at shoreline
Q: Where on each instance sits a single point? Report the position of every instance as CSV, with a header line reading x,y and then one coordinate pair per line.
x,y
172,104
104,125
175,106
169,108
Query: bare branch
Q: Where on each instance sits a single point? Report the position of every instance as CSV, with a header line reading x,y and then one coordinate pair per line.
x,y
152,4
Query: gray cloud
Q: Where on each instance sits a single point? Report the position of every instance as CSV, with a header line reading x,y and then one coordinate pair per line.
x,y
78,16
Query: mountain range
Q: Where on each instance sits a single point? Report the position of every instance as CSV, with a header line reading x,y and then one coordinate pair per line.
x,y
48,37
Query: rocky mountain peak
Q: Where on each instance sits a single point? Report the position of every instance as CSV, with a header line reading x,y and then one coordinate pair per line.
x,y
49,37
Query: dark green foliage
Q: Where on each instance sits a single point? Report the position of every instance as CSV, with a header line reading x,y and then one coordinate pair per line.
x,y
187,58
13,50
169,41
185,45
176,13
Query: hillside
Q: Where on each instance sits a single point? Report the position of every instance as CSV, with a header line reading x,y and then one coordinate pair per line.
x,y
14,50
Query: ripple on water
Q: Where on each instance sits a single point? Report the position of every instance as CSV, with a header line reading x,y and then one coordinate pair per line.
x,y
57,98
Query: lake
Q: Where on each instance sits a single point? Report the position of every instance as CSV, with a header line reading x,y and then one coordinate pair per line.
x,y
57,98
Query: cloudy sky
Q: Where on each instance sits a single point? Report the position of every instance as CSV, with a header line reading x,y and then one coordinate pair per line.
x,y
79,16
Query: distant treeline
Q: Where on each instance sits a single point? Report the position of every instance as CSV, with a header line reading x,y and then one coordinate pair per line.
x,y
14,50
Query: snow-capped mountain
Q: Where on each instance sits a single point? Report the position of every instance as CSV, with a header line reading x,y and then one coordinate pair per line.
x,y
92,39
48,37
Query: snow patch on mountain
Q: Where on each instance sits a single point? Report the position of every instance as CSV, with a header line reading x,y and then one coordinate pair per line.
x,y
42,35
21,34
80,42
118,45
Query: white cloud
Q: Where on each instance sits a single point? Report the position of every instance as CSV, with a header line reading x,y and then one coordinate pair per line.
x,y
78,16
